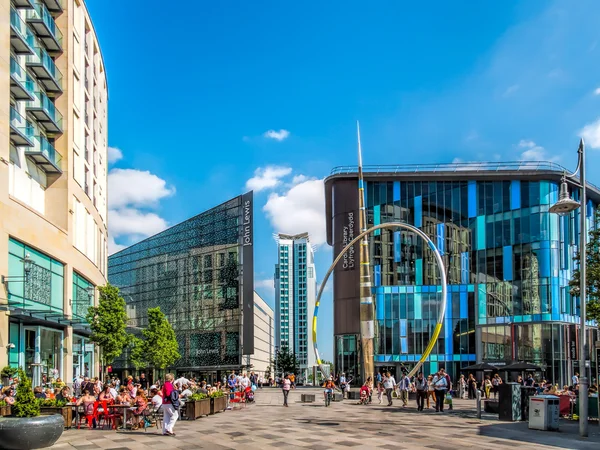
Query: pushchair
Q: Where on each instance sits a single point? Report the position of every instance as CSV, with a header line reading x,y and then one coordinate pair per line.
x,y
364,395
249,394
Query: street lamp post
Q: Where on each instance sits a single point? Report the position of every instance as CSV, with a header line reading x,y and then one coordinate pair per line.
x,y
564,206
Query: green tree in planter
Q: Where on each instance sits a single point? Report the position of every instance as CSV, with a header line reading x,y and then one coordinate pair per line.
x,y
285,361
108,322
26,405
158,347
592,274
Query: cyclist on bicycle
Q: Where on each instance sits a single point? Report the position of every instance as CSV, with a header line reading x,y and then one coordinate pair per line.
x,y
329,385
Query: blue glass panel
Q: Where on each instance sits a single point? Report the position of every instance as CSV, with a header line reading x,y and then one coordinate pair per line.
x,y
471,288
412,358
507,262
472,189
419,271
482,302
377,218
418,308
433,357
555,297
537,317
456,357
546,317
440,238
480,233
379,306
418,211
544,256
396,358
472,357
464,305
403,357
464,267
449,339
463,288
544,193
553,193
377,275
403,345
379,358
396,191
449,304
397,247
515,194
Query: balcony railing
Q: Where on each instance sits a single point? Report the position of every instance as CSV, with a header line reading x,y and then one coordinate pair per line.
x,y
46,113
21,84
54,5
45,155
45,69
23,3
21,39
21,130
45,27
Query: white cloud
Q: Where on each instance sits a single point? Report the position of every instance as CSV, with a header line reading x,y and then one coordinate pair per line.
x,y
267,177
511,90
131,187
264,284
457,160
591,134
113,247
131,221
300,209
299,179
597,91
114,155
533,152
277,135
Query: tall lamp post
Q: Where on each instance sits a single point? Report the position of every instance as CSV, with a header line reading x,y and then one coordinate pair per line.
x,y
564,206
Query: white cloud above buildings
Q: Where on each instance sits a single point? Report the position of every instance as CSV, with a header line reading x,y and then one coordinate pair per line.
x,y
591,134
267,177
114,155
597,91
530,151
135,196
280,135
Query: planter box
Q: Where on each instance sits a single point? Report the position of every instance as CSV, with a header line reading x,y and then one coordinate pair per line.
x,y
218,404
5,411
337,397
65,411
198,408
354,394
307,398
490,406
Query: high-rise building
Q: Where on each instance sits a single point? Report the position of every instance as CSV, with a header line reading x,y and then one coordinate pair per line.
x,y
508,262
53,181
200,273
295,295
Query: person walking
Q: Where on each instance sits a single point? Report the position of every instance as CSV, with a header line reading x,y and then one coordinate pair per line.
x,y
440,384
285,387
462,387
472,386
430,391
170,405
389,383
496,381
422,387
404,387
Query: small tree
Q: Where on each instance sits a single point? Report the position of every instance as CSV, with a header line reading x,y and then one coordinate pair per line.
x,y
592,274
285,360
26,405
108,322
268,372
158,347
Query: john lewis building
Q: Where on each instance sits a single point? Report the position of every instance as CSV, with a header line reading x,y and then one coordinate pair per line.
x,y
508,263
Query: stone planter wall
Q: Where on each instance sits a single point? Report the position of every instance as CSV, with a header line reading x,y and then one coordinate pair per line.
x,y
65,411
218,404
29,433
198,408
5,411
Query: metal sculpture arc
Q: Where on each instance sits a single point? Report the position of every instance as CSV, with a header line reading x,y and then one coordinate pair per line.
x,y
440,262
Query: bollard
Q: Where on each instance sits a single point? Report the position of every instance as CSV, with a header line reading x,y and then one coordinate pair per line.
x,y
478,404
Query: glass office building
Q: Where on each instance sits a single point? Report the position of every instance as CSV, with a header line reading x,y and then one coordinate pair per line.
x,y
508,262
200,273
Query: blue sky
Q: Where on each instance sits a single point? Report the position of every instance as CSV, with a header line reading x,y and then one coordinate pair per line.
x,y
194,92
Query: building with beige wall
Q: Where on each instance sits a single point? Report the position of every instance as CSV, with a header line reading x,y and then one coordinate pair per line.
x,y
264,337
53,183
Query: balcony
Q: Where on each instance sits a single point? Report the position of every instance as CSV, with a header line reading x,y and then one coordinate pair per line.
x,y
45,156
55,6
21,130
21,84
45,70
21,39
23,3
45,27
46,113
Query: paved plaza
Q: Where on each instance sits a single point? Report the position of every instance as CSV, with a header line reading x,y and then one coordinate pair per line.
x,y
266,424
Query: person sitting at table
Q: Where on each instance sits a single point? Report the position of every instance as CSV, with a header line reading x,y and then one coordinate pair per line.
x,y
8,395
186,392
88,400
156,398
38,392
105,395
49,393
63,395
141,403
123,398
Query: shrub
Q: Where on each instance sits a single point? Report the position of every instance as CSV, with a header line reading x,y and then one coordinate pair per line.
x,y
198,396
217,394
26,405
52,403
8,372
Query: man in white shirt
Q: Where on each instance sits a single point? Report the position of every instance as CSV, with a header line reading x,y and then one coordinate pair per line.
x,y
113,391
244,382
440,384
389,383
575,379
179,382
404,387
156,399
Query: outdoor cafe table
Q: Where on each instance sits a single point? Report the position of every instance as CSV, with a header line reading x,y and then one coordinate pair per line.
x,y
124,408
76,408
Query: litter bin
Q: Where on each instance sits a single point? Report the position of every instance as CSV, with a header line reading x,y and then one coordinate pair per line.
x,y
509,402
544,412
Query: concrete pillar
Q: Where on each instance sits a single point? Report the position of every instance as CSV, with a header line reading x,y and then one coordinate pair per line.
x,y
67,363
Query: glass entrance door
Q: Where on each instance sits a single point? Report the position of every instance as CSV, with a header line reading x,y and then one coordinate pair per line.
x,y
32,354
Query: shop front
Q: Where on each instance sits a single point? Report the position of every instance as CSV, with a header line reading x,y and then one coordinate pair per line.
x,y
83,357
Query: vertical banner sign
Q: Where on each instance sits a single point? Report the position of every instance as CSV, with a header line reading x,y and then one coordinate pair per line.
x,y
247,238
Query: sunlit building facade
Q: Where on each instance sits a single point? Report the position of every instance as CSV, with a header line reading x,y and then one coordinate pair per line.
x,y
53,182
508,262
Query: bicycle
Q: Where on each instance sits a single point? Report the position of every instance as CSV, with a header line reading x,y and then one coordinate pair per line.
x,y
328,397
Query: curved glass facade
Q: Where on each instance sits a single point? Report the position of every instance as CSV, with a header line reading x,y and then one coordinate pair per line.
x,y
508,261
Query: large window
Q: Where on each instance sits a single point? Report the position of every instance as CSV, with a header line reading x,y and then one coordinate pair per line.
x,y
83,295
38,282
